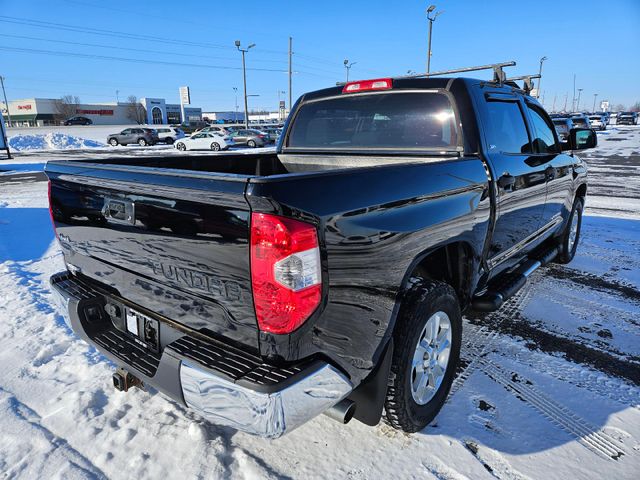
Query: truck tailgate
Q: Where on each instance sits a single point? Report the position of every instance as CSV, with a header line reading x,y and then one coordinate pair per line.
x,y
175,243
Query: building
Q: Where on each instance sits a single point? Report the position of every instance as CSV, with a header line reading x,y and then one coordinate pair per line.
x,y
38,112
223,116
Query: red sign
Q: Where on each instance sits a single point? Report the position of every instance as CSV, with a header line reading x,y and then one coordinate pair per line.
x,y
94,112
24,107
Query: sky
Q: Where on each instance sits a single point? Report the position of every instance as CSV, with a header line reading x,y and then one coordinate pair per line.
x,y
93,48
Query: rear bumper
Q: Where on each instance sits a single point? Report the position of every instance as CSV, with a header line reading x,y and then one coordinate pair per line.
x,y
222,384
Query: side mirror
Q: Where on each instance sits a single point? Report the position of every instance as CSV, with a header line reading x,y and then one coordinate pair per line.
x,y
580,139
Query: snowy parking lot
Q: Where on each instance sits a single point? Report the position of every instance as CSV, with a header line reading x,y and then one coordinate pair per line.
x,y
549,386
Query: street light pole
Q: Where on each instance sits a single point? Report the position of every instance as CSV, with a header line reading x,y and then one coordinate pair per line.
x,y
244,80
5,99
578,102
235,118
348,66
540,76
595,95
431,19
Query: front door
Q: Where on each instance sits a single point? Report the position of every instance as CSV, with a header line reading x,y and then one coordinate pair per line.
x,y
521,181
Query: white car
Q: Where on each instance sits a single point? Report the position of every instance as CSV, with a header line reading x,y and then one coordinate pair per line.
x,y
598,121
169,134
204,141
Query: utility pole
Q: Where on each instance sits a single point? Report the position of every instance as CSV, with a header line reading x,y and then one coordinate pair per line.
x,y
595,95
566,96
431,19
235,118
348,66
5,99
553,109
578,104
117,96
244,79
540,76
290,72
573,100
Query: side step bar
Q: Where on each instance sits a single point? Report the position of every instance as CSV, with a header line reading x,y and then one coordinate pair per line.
x,y
504,287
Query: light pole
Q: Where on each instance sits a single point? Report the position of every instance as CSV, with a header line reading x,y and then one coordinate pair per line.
x,y
235,118
117,96
244,79
540,76
5,100
578,102
348,66
431,18
595,95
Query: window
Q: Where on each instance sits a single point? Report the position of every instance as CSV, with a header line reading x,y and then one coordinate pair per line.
x,y
126,131
543,139
506,128
401,120
156,115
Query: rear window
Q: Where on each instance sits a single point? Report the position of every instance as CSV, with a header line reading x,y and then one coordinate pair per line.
x,y
579,121
422,121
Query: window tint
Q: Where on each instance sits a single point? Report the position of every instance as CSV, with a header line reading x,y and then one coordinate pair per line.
x,y
422,121
507,131
126,131
543,139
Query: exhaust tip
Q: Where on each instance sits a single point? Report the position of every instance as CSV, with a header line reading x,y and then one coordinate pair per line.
x,y
342,411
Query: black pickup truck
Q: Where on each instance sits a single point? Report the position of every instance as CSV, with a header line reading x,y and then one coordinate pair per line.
x,y
330,275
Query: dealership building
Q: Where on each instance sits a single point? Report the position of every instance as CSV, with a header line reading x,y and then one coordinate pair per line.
x,y
38,112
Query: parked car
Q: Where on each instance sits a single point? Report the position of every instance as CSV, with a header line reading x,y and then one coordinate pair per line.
x,y
563,127
78,121
580,120
191,127
274,133
215,129
627,118
598,121
141,136
204,141
250,138
262,289
169,134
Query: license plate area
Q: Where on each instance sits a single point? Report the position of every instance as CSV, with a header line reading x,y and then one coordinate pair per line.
x,y
145,330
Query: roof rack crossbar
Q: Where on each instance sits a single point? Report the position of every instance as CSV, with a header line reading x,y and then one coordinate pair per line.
x,y
527,80
498,74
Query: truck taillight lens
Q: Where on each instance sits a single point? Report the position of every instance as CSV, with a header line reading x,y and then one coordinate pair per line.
x,y
286,273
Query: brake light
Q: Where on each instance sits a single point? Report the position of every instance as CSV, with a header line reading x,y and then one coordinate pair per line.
x,y
285,272
368,85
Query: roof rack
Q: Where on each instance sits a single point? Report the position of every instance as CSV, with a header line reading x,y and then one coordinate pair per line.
x,y
527,82
498,73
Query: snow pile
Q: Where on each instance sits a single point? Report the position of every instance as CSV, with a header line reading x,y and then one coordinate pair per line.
x,y
51,141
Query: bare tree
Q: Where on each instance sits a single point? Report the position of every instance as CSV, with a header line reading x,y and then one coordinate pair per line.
x,y
636,107
135,110
619,108
66,107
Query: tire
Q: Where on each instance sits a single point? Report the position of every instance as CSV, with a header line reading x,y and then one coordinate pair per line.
x,y
169,140
215,146
251,144
426,301
571,235
113,142
142,142
181,146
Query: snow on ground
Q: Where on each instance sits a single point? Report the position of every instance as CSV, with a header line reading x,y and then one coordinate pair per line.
x,y
51,141
548,388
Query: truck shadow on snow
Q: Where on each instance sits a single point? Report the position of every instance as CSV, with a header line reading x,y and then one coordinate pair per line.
x,y
25,233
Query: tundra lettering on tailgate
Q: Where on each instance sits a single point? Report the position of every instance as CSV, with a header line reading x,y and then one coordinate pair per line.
x,y
198,280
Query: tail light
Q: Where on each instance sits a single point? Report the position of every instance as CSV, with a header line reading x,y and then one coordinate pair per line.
x,y
285,272
368,85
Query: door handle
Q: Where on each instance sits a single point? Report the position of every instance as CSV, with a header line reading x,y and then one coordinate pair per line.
x,y
506,181
550,173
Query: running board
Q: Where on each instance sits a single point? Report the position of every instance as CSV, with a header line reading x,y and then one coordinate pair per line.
x,y
505,286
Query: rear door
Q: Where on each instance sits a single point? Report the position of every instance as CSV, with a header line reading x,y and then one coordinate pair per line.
x,y
558,167
173,243
521,180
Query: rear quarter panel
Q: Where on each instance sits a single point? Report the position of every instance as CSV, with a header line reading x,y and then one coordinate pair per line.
x,y
375,224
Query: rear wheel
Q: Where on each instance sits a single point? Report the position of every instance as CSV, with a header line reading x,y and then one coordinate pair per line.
x,y
251,143
426,352
571,235
169,140
113,142
142,142
215,146
181,146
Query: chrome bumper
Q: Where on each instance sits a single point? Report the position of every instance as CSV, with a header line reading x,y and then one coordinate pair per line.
x,y
269,415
